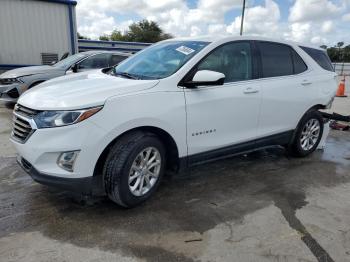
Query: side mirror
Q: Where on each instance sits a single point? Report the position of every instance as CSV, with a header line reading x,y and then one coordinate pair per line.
x,y
75,68
206,78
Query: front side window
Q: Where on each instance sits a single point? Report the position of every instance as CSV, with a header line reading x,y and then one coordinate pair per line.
x,y
69,61
95,62
160,60
116,59
234,60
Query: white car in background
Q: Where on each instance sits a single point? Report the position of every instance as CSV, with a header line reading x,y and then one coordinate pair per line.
x,y
15,82
178,103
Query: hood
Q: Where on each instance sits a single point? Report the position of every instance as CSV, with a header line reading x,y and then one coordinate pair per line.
x,y
80,90
29,70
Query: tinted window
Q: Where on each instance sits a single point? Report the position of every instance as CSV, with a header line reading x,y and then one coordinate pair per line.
x,y
116,59
233,60
320,57
299,65
276,59
94,62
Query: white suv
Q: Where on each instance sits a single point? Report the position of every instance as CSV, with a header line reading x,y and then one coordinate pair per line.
x,y
176,104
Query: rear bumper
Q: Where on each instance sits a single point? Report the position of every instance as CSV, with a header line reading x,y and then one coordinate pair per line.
x,y
87,185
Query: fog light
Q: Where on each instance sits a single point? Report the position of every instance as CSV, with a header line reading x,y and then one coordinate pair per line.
x,y
66,160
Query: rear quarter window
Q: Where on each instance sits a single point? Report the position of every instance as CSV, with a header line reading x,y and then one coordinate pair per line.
x,y
320,57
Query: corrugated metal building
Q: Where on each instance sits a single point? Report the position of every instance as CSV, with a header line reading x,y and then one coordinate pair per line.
x,y
34,32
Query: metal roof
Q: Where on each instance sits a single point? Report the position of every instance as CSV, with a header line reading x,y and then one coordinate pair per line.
x,y
66,2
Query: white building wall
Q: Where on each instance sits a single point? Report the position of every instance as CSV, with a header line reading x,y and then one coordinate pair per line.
x,y
30,27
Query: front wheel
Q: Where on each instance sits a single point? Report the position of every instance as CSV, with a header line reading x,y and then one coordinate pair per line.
x,y
308,134
134,168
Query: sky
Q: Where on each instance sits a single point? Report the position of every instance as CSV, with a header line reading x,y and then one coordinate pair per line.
x,y
316,22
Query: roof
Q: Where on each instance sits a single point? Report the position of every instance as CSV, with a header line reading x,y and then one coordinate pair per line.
x,y
66,2
219,38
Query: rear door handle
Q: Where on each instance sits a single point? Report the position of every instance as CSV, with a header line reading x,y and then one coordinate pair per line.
x,y
306,83
250,90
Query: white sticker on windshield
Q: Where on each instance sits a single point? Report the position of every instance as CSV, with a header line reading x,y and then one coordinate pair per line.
x,y
185,50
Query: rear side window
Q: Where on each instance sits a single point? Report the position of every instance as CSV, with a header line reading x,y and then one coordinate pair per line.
x,y
276,59
299,64
280,60
320,57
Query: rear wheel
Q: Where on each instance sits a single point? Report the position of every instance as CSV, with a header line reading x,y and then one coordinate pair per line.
x,y
134,168
308,134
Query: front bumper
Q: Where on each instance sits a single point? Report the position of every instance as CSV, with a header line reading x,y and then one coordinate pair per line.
x,y
87,185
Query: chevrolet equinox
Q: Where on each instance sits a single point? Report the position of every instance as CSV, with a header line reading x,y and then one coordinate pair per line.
x,y
178,103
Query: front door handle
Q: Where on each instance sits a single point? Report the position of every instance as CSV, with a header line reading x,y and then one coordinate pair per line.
x,y
250,90
306,83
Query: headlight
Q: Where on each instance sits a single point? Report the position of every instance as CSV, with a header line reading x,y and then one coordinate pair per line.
x,y
9,81
48,119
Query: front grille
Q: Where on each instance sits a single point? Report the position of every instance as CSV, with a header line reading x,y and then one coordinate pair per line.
x,y
25,111
22,128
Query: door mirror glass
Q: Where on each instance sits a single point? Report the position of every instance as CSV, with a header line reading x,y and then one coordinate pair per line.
x,y
206,78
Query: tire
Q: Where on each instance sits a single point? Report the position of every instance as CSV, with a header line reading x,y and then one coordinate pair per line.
x,y
305,141
124,161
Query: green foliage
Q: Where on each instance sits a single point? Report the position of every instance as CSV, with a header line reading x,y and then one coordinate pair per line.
x,y
338,53
104,38
82,37
143,31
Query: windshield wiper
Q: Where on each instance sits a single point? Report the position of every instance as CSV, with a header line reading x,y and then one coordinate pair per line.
x,y
126,75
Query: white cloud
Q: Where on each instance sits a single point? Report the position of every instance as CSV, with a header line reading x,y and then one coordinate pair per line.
x,y
327,26
258,20
313,10
346,17
314,21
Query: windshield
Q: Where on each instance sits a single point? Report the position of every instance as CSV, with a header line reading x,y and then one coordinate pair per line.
x,y
160,60
69,61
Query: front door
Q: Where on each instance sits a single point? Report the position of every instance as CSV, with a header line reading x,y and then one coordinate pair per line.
x,y
219,117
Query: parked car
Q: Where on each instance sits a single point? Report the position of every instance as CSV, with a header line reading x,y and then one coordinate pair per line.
x,y
176,104
15,82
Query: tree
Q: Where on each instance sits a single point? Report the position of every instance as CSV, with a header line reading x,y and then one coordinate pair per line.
x,y
340,44
118,36
104,38
82,37
143,31
338,53
146,31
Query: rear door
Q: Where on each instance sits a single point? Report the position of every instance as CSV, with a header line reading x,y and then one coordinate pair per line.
x,y
285,86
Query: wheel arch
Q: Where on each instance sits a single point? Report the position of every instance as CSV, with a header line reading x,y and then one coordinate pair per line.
x,y
173,160
37,82
312,108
